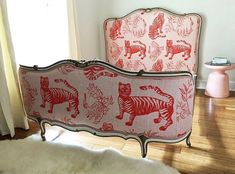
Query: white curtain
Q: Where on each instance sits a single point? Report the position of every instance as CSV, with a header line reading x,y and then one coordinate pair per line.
x,y
11,109
43,31
74,44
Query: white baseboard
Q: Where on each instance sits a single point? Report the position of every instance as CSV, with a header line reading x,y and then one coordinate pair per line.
x,y
201,84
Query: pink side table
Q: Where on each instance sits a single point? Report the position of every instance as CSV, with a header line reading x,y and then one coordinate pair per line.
x,y
218,81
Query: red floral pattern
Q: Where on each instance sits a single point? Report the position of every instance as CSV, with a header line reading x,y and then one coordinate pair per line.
x,y
135,26
155,50
94,72
183,107
158,66
65,69
182,25
151,134
101,105
107,127
115,50
29,93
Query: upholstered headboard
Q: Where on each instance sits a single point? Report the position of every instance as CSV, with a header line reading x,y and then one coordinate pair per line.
x,y
153,40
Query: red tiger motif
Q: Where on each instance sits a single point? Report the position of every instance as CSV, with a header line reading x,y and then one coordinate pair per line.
x,y
142,105
157,26
115,30
94,72
131,49
175,49
57,95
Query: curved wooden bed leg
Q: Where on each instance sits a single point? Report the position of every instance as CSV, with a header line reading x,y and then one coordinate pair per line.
x,y
43,131
143,145
188,140
42,128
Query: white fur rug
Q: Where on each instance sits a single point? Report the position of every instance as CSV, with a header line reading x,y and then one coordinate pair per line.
x,y
31,156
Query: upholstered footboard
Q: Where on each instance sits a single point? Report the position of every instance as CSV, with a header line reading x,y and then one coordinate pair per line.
x,y
107,101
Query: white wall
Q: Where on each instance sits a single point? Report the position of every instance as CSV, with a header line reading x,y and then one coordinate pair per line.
x,y
218,27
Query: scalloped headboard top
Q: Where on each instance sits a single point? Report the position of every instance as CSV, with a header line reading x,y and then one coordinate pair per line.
x,y
153,40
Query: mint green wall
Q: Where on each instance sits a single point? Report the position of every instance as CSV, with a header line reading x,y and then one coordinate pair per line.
x,y
218,30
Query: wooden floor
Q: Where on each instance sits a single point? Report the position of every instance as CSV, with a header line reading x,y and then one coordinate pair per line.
x,y
213,140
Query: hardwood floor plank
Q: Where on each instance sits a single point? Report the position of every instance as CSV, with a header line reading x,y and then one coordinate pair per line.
x,y
212,138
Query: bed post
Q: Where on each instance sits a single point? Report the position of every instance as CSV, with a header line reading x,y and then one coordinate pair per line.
x,y
42,128
188,140
143,145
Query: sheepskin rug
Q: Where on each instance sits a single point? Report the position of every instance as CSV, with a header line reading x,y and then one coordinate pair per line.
x,y
30,156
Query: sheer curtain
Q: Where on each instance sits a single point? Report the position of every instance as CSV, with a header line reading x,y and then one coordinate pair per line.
x,y
38,38
43,31
74,43
11,110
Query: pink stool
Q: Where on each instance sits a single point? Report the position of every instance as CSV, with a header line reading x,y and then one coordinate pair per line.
x,y
218,81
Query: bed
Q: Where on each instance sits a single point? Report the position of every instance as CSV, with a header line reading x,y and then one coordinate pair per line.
x,y
145,90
